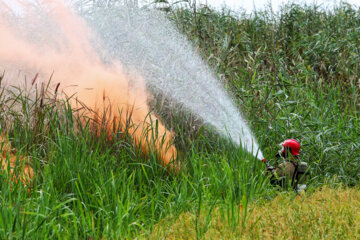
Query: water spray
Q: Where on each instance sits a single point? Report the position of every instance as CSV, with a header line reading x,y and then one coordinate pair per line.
x,y
121,49
147,42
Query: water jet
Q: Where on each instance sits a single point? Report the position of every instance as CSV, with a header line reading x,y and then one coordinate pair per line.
x,y
124,50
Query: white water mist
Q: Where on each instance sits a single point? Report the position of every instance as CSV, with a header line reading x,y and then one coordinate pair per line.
x,y
146,42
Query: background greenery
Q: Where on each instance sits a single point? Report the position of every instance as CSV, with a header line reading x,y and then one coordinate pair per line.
x,y
294,74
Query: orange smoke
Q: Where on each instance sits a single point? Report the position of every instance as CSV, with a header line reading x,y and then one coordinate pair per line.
x,y
9,162
65,48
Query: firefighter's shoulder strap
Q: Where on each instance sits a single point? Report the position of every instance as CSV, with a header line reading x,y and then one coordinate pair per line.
x,y
294,176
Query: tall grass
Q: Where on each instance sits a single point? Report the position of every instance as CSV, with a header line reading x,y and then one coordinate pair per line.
x,y
88,186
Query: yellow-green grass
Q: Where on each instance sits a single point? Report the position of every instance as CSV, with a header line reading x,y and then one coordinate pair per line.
x,y
325,214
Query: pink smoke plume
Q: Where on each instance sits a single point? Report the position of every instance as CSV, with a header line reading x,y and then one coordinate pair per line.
x,y
49,37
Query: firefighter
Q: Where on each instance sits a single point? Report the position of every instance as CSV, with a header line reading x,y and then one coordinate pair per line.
x,y
291,172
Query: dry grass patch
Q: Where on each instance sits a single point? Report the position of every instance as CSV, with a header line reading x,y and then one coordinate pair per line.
x,y
325,214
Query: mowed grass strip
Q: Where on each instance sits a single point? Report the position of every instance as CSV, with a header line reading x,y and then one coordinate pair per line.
x,y
325,214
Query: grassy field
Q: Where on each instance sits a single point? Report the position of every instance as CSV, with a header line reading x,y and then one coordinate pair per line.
x,y
294,75
325,214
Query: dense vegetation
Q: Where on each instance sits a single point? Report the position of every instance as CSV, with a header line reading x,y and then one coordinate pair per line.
x,y
294,75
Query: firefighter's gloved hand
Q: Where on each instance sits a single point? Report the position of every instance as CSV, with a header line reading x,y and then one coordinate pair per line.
x,y
271,168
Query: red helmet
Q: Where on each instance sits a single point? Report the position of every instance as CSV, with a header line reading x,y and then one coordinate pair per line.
x,y
293,145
